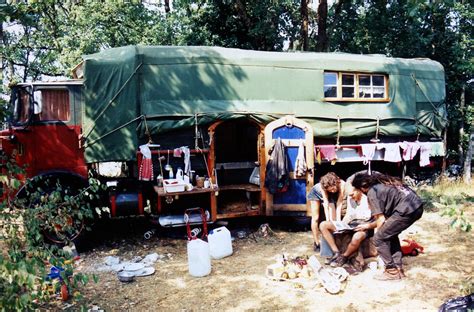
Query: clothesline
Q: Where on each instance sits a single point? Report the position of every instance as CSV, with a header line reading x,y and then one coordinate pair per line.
x,y
393,152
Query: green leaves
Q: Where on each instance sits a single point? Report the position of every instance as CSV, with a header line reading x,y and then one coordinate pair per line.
x,y
55,208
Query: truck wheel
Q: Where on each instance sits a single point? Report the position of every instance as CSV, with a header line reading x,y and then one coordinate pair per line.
x,y
56,233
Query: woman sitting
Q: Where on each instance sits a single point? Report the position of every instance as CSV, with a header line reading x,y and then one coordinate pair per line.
x,y
330,192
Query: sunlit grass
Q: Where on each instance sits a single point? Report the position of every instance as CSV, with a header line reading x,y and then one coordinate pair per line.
x,y
452,199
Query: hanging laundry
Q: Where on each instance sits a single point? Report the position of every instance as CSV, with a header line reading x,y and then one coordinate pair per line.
x,y
300,163
187,160
425,149
277,177
368,152
146,168
392,151
328,152
437,149
410,149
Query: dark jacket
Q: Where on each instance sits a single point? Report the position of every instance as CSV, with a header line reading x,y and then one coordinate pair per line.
x,y
277,176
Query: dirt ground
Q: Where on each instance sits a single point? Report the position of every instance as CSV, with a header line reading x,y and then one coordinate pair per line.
x,y
238,282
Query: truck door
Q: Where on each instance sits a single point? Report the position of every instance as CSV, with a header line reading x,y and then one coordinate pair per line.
x,y
291,131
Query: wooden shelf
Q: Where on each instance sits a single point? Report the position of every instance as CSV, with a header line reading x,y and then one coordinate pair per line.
x,y
243,187
161,191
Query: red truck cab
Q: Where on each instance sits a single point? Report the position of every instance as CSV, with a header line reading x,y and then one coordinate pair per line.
x,y
44,130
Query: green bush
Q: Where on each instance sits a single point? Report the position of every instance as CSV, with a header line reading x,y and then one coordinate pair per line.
x,y
51,209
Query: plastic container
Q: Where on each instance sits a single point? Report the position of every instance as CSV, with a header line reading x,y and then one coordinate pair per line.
x,y
173,185
199,258
220,243
180,174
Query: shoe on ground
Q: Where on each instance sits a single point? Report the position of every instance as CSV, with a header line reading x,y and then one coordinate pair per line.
x,y
316,247
339,261
392,274
331,259
402,272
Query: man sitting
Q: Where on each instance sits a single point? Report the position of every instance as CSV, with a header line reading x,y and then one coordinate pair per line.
x,y
358,216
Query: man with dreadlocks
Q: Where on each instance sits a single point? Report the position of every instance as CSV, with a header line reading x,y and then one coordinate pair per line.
x,y
395,207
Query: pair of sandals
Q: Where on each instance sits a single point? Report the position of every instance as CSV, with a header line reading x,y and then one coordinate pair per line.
x,y
337,260
330,279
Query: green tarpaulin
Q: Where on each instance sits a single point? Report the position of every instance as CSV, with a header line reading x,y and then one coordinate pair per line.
x,y
171,86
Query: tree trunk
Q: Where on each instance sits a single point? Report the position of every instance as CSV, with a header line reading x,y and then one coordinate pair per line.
x,y
322,43
304,24
167,6
467,161
461,127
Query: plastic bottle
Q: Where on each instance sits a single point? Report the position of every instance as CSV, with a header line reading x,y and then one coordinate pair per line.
x,y
199,258
220,243
207,183
179,174
171,174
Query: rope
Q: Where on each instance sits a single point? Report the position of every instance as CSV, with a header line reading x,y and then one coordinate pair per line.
x,y
424,94
196,136
87,144
147,132
377,129
338,130
88,132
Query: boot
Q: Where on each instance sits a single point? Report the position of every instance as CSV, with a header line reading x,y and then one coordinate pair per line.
x,y
390,274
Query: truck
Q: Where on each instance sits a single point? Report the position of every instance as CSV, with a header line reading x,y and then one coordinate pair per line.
x,y
135,116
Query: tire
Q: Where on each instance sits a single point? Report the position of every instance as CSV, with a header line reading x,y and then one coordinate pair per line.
x,y
71,185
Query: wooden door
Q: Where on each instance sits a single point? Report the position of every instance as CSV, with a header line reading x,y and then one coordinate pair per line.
x,y
291,131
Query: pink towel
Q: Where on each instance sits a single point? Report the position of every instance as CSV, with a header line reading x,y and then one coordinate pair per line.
x,y
425,149
146,170
409,149
146,167
328,152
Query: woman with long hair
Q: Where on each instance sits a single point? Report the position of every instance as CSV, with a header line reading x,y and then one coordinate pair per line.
x,y
330,193
395,207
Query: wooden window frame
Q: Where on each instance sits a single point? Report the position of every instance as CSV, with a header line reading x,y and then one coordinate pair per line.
x,y
356,97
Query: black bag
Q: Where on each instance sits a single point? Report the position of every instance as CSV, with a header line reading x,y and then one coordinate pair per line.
x,y
460,304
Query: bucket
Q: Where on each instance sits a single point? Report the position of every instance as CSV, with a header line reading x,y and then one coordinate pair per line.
x,y
199,259
220,243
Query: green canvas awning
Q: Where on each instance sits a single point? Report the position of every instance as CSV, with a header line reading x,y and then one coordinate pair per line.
x,y
172,86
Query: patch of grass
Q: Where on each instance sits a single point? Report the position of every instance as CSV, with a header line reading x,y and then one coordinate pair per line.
x,y
452,199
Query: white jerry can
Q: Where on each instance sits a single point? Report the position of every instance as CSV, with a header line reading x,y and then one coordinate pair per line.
x,y
199,259
220,243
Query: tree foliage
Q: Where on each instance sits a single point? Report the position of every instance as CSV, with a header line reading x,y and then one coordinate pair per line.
x,y
49,209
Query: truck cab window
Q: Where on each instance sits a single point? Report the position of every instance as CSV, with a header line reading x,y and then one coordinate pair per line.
x,y
52,105
21,106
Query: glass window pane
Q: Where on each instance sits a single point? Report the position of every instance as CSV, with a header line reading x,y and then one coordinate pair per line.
x,y
364,80
330,79
378,80
365,92
379,92
347,92
347,80
55,105
22,105
330,92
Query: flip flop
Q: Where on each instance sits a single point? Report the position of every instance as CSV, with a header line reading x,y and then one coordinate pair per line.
x,y
144,272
